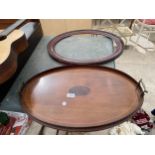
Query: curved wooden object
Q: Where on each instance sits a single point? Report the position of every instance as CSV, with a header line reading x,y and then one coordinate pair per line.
x,y
9,49
81,98
103,59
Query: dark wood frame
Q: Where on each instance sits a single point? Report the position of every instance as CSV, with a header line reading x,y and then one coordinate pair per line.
x,y
117,52
138,85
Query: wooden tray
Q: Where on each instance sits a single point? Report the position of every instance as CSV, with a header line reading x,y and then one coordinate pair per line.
x,y
103,40
81,98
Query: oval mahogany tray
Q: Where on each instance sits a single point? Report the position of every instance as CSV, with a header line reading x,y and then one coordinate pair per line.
x,y
81,98
79,59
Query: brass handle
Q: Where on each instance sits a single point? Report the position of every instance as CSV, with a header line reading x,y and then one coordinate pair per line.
x,y
142,85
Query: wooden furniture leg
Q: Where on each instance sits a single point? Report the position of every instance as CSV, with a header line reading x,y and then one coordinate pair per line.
x,y
41,132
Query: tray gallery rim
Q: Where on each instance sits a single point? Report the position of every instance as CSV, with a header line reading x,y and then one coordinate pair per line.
x,y
139,88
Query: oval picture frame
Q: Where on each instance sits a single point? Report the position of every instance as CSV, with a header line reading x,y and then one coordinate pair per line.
x,y
116,53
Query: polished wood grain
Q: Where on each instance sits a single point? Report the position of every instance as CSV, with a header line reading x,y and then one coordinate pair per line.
x,y
8,68
33,33
9,29
81,98
12,42
16,39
